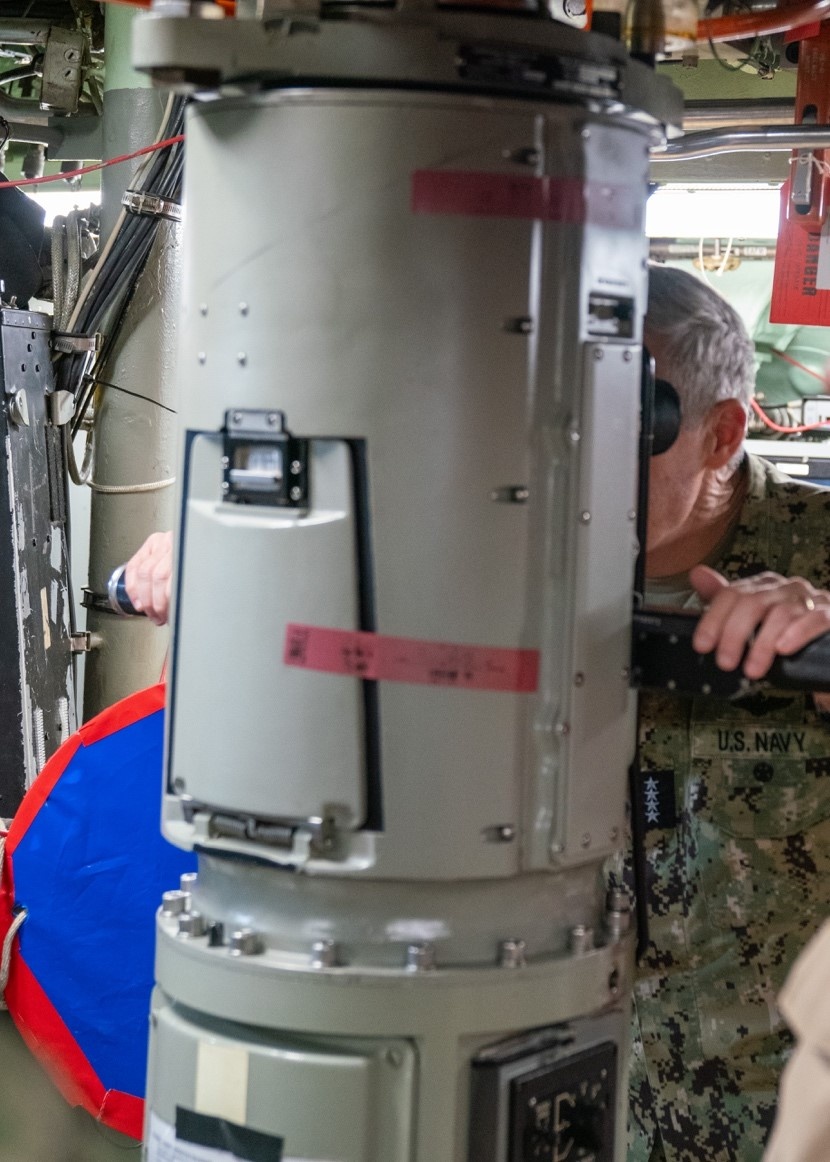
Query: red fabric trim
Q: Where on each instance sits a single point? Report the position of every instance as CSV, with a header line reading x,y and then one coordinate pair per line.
x,y
124,713
123,1112
42,1028
40,790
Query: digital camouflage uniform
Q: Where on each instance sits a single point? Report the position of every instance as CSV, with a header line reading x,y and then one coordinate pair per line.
x,y
737,804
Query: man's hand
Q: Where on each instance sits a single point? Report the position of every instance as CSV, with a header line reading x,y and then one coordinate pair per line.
x,y
769,614
147,577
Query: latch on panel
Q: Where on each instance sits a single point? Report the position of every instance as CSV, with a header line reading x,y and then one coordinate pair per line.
x,y
262,462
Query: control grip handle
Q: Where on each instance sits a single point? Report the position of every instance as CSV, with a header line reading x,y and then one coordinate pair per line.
x,y
663,659
119,599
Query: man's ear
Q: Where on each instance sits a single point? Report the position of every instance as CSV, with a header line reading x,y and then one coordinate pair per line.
x,y
727,428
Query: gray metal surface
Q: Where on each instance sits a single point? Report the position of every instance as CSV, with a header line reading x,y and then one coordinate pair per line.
x,y
454,283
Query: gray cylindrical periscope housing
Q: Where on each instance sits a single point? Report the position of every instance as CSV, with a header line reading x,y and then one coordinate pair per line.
x,y
399,711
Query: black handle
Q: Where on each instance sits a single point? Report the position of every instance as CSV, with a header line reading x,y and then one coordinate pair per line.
x,y
663,659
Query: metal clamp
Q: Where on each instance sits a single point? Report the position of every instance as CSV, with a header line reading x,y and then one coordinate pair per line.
x,y
69,344
151,206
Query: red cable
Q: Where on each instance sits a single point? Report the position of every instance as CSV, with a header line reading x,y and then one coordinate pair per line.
x,y
759,411
744,25
801,366
75,173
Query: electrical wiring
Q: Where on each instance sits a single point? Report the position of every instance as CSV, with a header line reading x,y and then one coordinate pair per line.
x,y
109,288
741,26
801,366
762,415
76,173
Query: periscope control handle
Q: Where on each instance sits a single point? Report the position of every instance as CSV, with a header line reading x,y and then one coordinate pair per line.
x,y
809,669
118,597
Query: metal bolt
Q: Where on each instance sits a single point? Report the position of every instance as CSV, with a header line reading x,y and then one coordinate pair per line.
x,y
188,881
582,940
585,518
225,486
173,903
632,514
237,417
243,308
627,356
562,728
506,833
527,155
296,467
573,436
585,841
617,912
216,934
226,463
323,954
273,418
202,357
192,924
295,493
599,353
420,957
242,359
585,133
579,679
393,1057
512,954
203,309
245,942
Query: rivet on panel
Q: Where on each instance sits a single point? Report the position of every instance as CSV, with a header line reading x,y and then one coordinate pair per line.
x,y
420,957
323,954
513,954
599,353
627,356
203,309
579,679
581,939
202,357
585,517
243,308
242,359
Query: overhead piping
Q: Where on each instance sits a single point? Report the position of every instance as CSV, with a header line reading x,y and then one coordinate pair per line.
x,y
745,139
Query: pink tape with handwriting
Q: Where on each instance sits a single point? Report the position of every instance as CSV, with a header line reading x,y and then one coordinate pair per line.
x,y
402,659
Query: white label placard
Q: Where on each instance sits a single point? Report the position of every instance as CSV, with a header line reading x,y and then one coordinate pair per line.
x,y
222,1081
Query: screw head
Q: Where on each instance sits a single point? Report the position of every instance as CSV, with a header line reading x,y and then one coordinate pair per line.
x,y
599,353
192,925
202,357
323,954
245,942
174,903
513,954
203,309
420,957
242,359
243,308
295,493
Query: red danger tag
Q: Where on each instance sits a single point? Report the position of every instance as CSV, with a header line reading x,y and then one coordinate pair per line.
x,y
401,659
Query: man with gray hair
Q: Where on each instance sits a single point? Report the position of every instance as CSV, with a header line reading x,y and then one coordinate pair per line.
x,y
738,793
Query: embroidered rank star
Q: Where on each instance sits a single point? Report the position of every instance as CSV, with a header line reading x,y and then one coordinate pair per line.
x,y
652,803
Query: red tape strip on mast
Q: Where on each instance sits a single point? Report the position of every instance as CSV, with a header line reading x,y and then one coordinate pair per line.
x,y
356,654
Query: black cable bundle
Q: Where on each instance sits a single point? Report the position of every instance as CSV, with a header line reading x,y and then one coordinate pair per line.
x,y
105,301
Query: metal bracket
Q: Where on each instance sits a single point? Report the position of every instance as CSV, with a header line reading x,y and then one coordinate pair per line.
x,y
262,462
150,205
61,405
84,641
